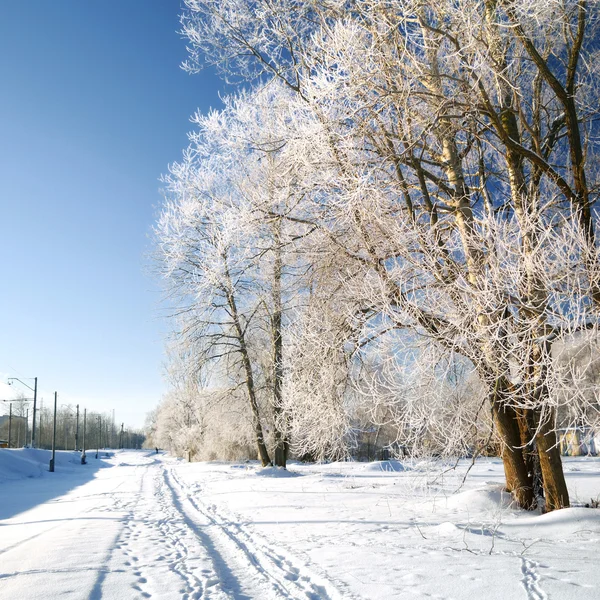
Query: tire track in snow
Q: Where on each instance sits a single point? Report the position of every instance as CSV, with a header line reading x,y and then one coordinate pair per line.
x,y
531,579
288,580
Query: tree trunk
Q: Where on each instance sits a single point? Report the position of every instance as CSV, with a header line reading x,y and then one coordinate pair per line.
x,y
281,442
518,478
555,486
250,387
529,448
258,432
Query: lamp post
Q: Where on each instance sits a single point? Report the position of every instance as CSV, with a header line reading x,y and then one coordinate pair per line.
x,y
34,390
9,422
41,429
75,416
83,457
99,435
51,469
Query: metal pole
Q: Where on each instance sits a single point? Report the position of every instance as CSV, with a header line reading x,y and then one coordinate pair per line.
x,y
98,436
9,422
34,413
77,431
51,469
83,453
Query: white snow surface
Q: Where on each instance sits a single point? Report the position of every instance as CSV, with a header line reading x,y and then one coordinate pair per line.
x,y
134,524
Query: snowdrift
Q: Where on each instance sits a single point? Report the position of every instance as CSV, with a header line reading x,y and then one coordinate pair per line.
x,y
390,466
490,498
24,463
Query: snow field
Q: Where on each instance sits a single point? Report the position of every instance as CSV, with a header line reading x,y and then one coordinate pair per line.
x,y
155,527
385,530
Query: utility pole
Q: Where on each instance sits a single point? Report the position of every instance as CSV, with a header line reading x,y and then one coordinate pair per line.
x,y
99,434
121,437
41,413
83,453
9,422
34,411
51,469
77,431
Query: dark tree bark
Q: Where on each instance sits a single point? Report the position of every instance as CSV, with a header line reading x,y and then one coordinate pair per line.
x,y
518,478
281,441
247,364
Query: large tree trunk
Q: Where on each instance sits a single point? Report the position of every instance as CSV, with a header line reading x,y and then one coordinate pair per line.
x,y
531,457
555,486
518,478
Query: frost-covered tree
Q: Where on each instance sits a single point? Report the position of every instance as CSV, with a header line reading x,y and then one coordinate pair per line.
x,y
453,164
228,249
211,273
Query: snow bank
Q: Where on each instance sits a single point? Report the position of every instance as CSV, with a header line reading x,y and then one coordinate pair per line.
x,y
276,472
26,463
390,466
491,498
567,523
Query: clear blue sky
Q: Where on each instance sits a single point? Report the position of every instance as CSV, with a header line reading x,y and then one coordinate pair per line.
x,y
93,107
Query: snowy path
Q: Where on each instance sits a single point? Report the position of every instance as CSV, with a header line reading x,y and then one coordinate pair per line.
x,y
135,531
136,525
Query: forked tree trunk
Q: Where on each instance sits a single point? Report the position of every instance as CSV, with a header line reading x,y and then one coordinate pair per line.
x,y
518,478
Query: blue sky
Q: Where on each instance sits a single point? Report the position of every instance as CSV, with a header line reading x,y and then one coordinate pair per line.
x,y
93,107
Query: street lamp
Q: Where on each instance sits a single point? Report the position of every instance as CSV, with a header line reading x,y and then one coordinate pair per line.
x,y
76,427
34,390
10,416
51,469
83,457
99,438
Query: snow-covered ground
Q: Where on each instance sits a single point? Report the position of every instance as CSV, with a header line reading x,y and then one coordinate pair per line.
x,y
138,525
